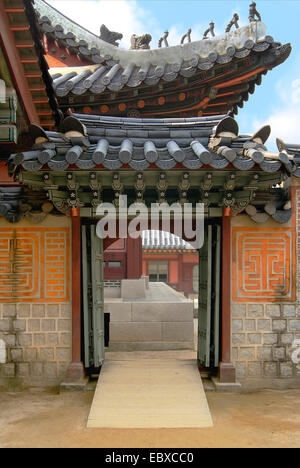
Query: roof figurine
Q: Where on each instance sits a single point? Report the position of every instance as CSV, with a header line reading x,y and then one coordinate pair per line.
x,y
210,30
254,13
233,22
163,39
140,42
187,36
110,36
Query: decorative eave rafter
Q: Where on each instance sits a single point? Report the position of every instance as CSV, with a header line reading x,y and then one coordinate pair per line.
x,y
22,44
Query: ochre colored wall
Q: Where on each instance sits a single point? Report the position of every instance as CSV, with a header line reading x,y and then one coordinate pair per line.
x,y
265,320
35,306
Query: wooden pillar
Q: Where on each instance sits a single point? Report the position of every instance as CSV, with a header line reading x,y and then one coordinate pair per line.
x,y
75,371
134,258
180,271
226,368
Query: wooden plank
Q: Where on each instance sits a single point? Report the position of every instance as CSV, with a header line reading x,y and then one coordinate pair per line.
x,y
98,299
205,290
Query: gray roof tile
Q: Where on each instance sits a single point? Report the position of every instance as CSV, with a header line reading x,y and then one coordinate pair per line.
x,y
117,141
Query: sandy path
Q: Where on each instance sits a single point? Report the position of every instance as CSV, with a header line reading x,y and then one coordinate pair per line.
x,y
39,419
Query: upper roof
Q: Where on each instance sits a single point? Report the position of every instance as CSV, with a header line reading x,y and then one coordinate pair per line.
x,y
133,68
175,59
198,70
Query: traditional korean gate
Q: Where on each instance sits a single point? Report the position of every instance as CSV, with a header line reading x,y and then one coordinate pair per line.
x,y
93,297
209,297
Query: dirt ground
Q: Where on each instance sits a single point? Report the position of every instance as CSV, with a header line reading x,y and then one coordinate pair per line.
x,y
40,419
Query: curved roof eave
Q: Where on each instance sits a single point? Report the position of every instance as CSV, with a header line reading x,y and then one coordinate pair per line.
x,y
221,45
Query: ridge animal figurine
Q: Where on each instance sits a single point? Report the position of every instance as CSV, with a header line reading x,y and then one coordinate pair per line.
x,y
110,36
163,39
210,30
254,13
187,36
140,42
233,22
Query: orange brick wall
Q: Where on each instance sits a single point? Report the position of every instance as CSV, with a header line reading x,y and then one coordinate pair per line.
x,y
35,264
264,264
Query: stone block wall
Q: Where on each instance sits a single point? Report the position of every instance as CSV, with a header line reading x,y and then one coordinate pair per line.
x,y
264,345
150,326
38,339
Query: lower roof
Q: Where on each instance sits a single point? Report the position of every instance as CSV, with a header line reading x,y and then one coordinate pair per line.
x,y
94,142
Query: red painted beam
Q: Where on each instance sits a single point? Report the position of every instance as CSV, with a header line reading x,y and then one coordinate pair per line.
x,y
25,45
226,368
76,288
20,28
75,371
239,79
29,60
13,59
15,10
226,288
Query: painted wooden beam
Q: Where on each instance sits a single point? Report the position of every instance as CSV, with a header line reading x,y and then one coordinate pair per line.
x,y
15,65
75,371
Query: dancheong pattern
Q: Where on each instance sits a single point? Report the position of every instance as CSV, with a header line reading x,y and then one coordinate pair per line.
x,y
263,264
34,264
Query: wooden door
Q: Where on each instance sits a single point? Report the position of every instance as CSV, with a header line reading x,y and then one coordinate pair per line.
x,y
93,297
209,298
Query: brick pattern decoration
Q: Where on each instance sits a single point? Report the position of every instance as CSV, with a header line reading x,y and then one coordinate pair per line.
x,y
264,264
38,340
34,264
263,340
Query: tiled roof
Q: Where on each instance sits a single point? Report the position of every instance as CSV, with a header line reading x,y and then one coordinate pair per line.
x,y
119,67
153,239
163,64
115,142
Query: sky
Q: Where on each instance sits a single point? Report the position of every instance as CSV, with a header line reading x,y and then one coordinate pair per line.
x,y
276,102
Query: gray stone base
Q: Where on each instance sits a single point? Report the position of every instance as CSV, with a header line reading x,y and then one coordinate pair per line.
x,y
274,384
150,346
226,387
208,385
81,386
162,321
